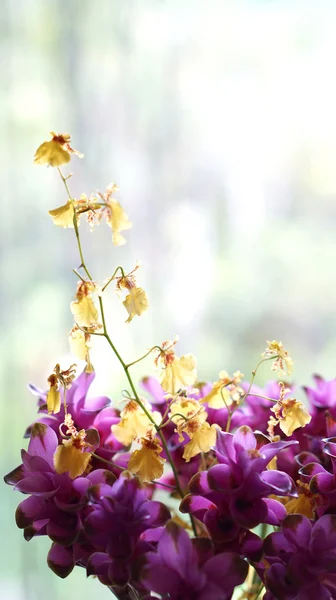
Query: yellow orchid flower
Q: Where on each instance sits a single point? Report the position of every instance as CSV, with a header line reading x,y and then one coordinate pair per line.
x,y
146,462
56,152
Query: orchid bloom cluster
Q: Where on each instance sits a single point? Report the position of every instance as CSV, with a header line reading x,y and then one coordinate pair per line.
x,y
246,476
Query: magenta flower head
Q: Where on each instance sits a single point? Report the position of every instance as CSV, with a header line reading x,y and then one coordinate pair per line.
x,y
322,479
322,404
234,494
182,568
56,502
119,515
303,559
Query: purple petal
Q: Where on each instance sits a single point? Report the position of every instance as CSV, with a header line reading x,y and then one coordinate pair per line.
x,y
204,549
100,476
310,470
226,570
157,513
176,552
278,546
152,386
252,546
98,491
120,546
278,583
323,538
224,447
323,483
64,531
305,458
60,560
37,528
15,476
81,485
244,438
198,484
317,590
220,477
46,419
34,463
276,511
152,535
43,442
221,526
105,419
97,521
269,451
162,579
39,484
98,564
297,530
93,405
279,482
248,514
196,505
80,387
30,510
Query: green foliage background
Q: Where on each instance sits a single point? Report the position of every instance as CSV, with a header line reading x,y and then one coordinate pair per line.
x,y
217,121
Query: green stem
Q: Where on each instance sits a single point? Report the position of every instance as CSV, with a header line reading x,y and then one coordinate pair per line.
x,y
265,397
108,462
254,374
228,425
75,224
122,362
134,362
113,276
143,408
230,412
78,275
163,424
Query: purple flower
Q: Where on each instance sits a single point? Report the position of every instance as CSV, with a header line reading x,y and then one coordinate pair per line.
x,y
86,413
322,482
119,515
322,407
303,559
56,503
182,568
234,493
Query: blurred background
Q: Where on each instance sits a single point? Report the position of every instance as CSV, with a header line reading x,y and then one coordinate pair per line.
x,y
217,121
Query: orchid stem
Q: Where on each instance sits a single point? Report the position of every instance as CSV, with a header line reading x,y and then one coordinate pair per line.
x,y
75,224
122,362
254,372
108,462
134,362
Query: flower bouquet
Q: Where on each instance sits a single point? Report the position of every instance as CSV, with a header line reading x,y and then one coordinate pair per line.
x,y
189,490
